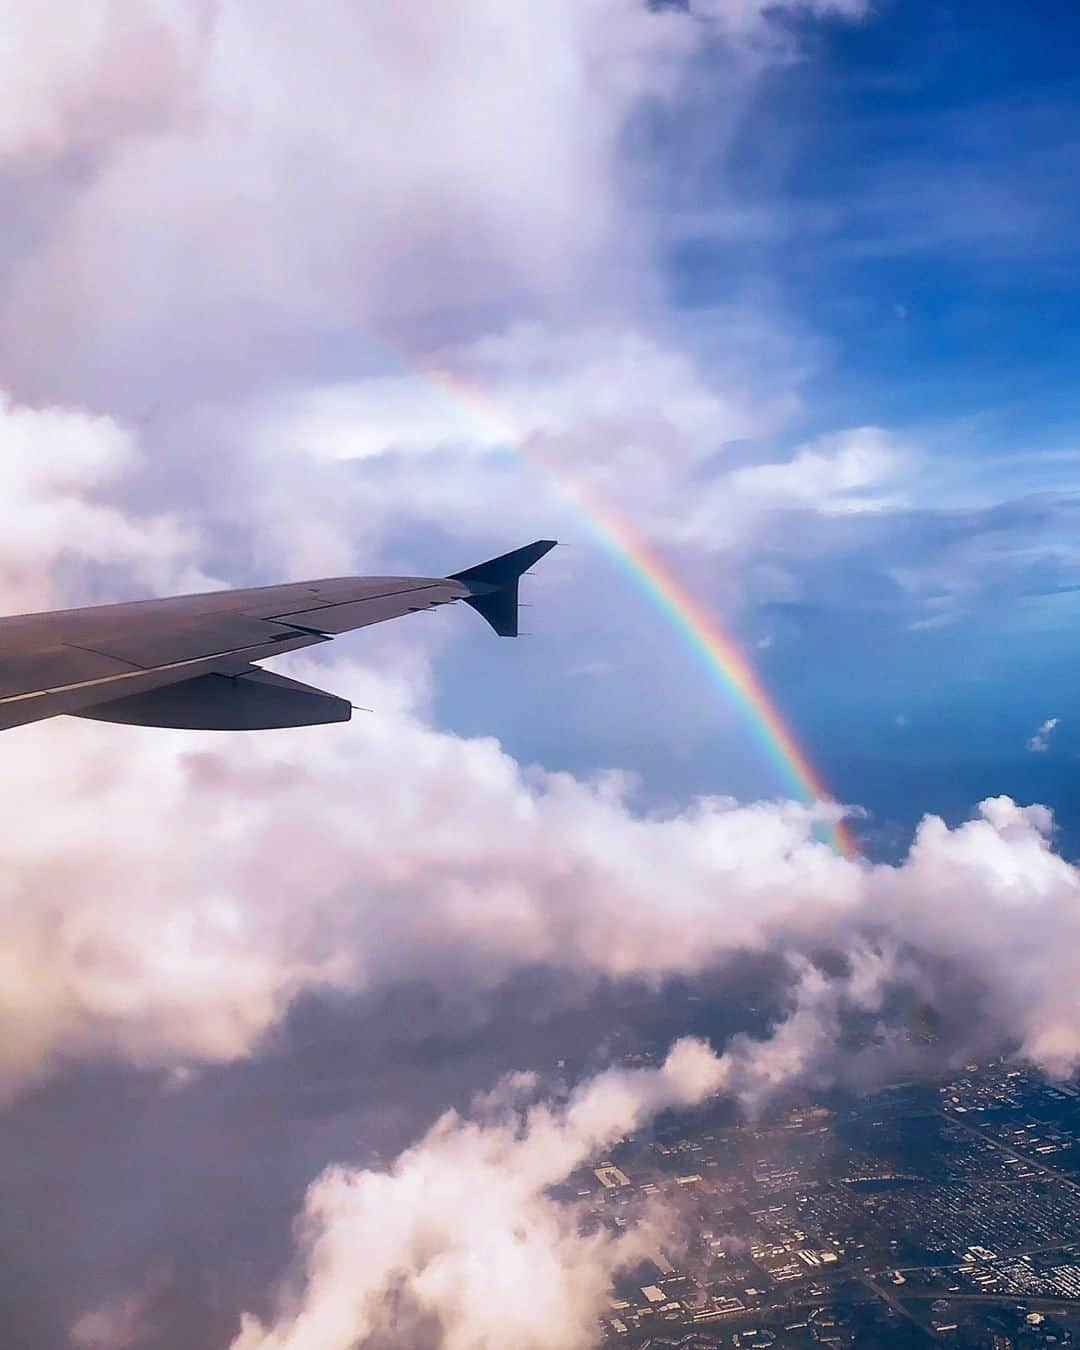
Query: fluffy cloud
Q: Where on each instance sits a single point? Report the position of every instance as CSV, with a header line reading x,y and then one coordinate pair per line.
x,y
203,203
837,474
166,896
75,79
384,163
993,897
153,912
58,470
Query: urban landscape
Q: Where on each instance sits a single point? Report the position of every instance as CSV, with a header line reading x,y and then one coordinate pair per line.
x,y
921,1214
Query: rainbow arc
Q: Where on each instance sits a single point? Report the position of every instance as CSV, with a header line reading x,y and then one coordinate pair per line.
x,y
701,631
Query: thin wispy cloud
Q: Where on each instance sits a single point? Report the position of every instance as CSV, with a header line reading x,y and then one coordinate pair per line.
x,y
1040,742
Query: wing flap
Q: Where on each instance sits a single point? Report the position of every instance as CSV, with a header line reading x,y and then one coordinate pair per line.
x,y
157,646
257,700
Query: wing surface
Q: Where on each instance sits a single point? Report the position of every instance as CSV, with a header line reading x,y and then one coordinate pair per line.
x,y
188,661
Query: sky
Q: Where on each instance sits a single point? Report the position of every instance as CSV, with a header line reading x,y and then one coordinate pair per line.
x,y
787,290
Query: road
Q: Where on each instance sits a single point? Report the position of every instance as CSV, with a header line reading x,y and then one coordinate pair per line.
x,y
1011,1152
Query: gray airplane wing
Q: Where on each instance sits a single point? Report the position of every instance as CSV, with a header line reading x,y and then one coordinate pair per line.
x,y
190,660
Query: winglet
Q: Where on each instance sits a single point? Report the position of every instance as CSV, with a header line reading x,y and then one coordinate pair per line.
x,y
494,585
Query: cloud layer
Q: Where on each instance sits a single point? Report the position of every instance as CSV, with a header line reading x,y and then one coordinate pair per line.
x,y
435,165
165,897
60,470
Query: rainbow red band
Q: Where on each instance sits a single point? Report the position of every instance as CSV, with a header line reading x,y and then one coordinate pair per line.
x,y
722,657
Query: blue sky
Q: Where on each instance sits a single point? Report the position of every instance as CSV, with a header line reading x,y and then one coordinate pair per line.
x,y
941,157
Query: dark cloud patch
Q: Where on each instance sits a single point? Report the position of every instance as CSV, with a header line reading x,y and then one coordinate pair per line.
x,y
179,1190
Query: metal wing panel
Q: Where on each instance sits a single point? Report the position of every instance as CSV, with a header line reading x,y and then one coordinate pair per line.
x,y
342,618
273,601
189,612
157,645
68,660
45,668
78,695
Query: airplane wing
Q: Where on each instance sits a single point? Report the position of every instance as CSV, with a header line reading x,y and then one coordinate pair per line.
x,y
190,660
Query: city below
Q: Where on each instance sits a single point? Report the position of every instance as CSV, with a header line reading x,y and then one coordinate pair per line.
x,y
920,1214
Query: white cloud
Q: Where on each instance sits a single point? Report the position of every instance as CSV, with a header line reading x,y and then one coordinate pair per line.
x,y
1040,742
208,180
991,896
839,474
428,159
533,411
526,382
69,76
151,911
57,468
151,914
220,193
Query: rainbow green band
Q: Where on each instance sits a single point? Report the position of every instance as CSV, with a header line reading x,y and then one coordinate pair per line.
x,y
724,660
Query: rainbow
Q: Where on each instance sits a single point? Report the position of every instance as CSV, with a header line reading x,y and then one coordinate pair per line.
x,y
702,632
719,653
